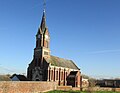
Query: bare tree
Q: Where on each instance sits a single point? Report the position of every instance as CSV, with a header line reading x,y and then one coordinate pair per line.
x,y
5,77
92,84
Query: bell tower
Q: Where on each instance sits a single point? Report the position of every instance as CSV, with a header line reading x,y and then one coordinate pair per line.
x,y
42,39
37,68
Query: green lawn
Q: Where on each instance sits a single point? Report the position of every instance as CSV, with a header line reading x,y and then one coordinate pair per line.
x,y
59,91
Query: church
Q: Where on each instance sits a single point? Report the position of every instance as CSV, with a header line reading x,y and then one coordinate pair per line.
x,y
46,67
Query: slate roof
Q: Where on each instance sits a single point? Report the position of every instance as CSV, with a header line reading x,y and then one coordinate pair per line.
x,y
60,62
20,77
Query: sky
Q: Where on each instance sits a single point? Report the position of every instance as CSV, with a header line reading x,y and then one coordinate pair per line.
x,y
85,31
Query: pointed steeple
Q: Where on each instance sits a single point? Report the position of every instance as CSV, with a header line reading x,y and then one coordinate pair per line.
x,y
42,28
43,22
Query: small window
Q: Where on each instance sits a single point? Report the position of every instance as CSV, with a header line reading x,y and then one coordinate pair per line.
x,y
37,43
56,75
39,63
51,74
36,62
47,44
45,53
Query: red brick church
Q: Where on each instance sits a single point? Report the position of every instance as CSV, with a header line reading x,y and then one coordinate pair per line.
x,y
45,67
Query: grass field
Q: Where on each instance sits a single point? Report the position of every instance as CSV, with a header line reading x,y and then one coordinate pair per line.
x,y
59,91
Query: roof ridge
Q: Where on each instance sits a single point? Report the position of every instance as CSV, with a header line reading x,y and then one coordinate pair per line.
x,y
62,62
61,58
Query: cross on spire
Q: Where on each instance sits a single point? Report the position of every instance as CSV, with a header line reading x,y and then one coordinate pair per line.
x,y
44,5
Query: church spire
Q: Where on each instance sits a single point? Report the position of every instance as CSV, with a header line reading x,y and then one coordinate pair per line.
x,y
43,22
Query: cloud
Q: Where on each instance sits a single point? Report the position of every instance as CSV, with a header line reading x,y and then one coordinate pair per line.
x,y
6,70
104,76
104,51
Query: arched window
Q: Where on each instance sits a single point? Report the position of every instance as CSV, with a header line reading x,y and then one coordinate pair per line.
x,y
37,43
39,62
66,74
62,75
51,74
47,44
36,62
56,75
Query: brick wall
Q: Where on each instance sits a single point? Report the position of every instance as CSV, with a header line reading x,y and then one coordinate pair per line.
x,y
64,88
26,86
117,89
